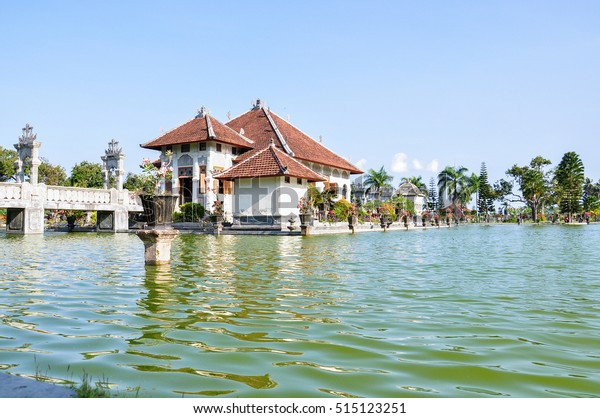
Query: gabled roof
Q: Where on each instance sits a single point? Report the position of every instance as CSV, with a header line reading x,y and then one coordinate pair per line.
x,y
409,189
269,162
200,129
262,125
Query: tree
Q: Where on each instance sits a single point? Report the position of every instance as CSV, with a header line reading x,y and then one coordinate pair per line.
x,y
534,183
485,193
452,181
7,164
417,181
569,177
591,195
378,180
432,196
86,174
51,174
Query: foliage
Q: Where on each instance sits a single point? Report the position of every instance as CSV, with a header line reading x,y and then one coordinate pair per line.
x,y
189,212
133,182
591,195
378,180
304,206
7,164
341,209
432,196
534,183
87,390
149,180
51,174
86,174
453,181
314,196
217,208
569,177
389,209
485,193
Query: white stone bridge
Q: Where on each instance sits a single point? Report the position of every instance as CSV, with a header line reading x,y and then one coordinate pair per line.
x,y
25,204
26,201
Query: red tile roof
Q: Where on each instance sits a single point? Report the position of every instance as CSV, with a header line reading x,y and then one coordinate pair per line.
x,y
269,162
200,129
256,125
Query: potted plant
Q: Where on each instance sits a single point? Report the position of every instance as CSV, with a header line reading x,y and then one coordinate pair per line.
x,y
158,205
217,212
387,213
352,216
424,216
305,209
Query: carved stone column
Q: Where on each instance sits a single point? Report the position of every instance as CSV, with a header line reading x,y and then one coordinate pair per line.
x,y
157,244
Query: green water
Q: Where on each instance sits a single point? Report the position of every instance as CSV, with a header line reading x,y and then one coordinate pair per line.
x,y
492,311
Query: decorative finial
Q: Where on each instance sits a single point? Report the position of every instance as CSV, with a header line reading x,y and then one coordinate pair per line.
x,y
258,104
202,112
271,143
27,137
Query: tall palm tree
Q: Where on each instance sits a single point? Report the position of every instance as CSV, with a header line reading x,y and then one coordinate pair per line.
x,y
452,181
378,180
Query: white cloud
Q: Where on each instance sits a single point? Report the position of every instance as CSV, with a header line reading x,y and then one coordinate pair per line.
x,y
433,166
361,163
416,164
400,163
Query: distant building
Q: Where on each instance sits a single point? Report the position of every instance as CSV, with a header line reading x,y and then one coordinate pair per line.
x,y
411,192
258,164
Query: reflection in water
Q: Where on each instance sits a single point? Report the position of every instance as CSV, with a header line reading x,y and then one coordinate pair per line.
x,y
470,311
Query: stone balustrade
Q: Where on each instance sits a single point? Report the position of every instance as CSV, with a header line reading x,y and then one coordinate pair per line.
x,y
10,191
72,195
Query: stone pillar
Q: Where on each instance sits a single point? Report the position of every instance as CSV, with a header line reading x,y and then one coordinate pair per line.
x,y
27,153
112,163
157,244
305,230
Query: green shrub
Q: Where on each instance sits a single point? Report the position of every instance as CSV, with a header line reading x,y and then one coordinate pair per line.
x,y
190,212
341,209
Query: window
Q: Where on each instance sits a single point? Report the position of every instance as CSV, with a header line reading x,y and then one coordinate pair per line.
x,y
185,172
224,186
185,148
202,180
202,146
219,147
234,150
298,181
286,179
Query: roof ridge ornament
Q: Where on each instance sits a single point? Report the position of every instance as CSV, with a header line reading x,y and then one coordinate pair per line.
x,y
257,105
202,112
28,136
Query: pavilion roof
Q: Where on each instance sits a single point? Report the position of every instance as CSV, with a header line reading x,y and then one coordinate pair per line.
x,y
269,162
200,129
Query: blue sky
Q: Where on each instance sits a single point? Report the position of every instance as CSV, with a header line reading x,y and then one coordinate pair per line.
x,y
414,86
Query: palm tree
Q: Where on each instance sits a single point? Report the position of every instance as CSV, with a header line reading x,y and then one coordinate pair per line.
x,y
453,181
378,180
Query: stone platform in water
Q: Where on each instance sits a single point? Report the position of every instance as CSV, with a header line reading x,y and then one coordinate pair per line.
x,y
21,387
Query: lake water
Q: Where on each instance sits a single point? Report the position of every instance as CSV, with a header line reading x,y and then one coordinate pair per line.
x,y
491,311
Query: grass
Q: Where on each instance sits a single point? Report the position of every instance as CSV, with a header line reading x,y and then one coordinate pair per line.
x,y
88,390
